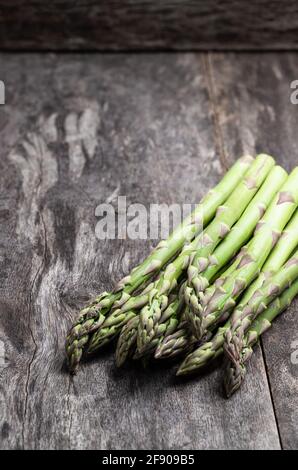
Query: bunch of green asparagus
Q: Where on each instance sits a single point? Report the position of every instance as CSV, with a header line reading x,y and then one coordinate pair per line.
x,y
213,287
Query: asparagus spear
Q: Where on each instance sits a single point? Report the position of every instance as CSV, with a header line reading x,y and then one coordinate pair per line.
x,y
127,341
181,341
207,310
264,321
214,348
172,344
235,369
158,298
225,218
169,322
239,234
128,335
174,341
241,319
120,316
198,281
93,316
258,302
235,375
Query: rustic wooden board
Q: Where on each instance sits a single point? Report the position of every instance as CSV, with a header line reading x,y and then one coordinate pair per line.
x,y
148,24
251,94
77,131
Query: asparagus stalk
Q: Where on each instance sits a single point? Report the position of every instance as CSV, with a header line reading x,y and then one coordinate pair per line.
x,y
168,324
127,341
235,369
207,311
93,316
182,340
240,321
120,316
235,375
158,298
214,348
280,254
261,298
207,343
232,212
239,234
264,321
128,335
173,344
179,342
225,218
163,329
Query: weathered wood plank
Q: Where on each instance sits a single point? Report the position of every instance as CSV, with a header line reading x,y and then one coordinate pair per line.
x,y
148,24
280,350
150,136
255,113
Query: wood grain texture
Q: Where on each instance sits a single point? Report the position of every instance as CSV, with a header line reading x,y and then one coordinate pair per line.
x,y
148,24
251,93
77,131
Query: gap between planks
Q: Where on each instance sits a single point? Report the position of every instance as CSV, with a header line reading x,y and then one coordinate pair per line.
x,y
206,59
215,114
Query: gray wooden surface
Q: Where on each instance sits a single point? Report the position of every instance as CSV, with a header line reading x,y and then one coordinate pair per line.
x,y
148,24
78,130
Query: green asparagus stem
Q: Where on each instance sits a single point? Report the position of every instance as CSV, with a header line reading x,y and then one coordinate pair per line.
x,y
273,288
169,322
239,321
158,298
240,233
198,281
120,316
128,335
225,218
182,340
127,341
261,298
264,321
93,316
232,212
207,310
211,350
236,375
179,342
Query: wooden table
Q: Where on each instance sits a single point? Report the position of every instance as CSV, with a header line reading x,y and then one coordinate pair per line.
x,y
78,130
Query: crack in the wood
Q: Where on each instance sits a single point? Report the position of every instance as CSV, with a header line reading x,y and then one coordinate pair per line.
x,y
271,393
37,274
69,412
211,87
